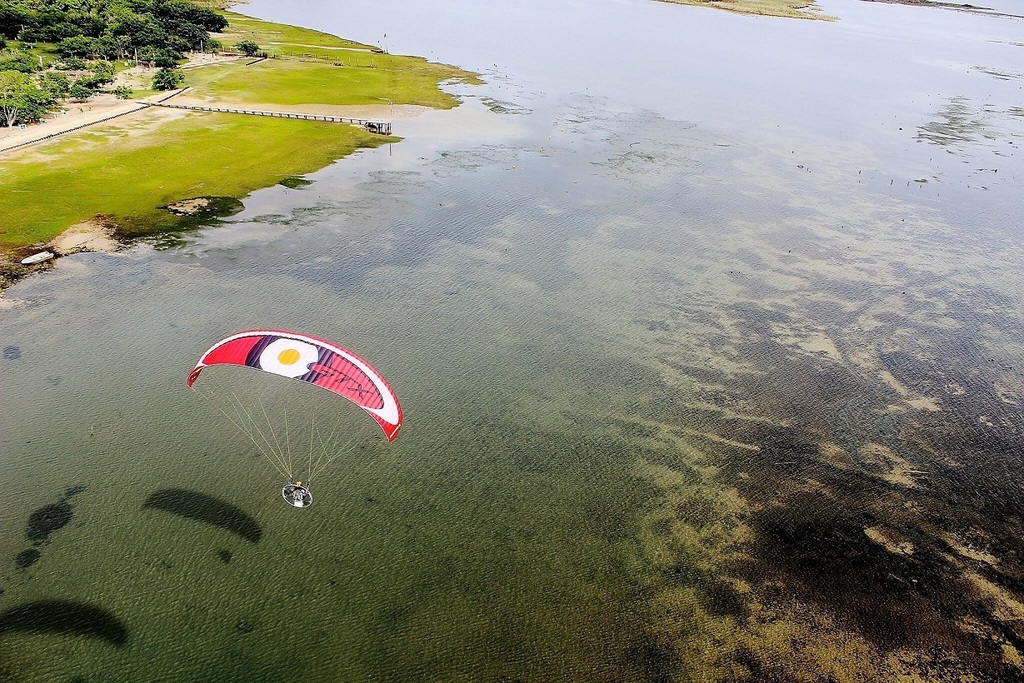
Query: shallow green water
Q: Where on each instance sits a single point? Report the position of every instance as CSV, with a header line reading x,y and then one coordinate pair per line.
x,y
680,387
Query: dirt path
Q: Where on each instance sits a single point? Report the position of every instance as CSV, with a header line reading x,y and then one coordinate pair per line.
x,y
98,108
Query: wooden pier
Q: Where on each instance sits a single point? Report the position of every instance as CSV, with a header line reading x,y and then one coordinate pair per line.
x,y
379,127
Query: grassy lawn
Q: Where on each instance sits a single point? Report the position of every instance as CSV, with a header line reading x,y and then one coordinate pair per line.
x,y
365,78
280,39
290,82
124,170
126,174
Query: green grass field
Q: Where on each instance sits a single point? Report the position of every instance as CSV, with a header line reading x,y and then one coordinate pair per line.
x,y
366,77
277,81
124,174
280,38
124,170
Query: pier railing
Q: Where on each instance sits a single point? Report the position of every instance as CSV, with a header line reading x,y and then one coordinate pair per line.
x,y
380,127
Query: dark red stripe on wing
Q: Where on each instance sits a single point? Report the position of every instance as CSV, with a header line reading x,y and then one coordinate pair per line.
x,y
337,374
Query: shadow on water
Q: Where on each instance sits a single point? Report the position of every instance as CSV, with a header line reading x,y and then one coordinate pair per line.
x,y
64,618
207,509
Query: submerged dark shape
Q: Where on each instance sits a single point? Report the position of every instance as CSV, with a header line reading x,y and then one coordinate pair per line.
x,y
12,353
26,558
204,508
72,491
46,520
65,618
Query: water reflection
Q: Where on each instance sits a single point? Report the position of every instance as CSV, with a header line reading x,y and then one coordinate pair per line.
x,y
959,121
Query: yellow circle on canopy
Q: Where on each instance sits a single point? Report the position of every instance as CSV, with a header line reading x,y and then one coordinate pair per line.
x,y
288,357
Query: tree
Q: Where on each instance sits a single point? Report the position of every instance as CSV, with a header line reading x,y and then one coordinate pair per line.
x,y
76,46
55,84
36,104
167,79
162,57
13,88
247,48
17,60
71,64
142,29
21,99
52,30
122,92
13,18
186,12
81,92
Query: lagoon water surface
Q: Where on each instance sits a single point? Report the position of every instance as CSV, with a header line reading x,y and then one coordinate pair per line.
x,y
708,333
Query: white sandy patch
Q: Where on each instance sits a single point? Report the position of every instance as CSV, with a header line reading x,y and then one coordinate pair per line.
x,y
188,207
195,59
90,235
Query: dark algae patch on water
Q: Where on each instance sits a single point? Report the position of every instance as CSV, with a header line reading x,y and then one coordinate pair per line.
x,y
26,558
43,522
46,520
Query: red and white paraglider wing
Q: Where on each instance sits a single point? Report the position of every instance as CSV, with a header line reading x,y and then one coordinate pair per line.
x,y
312,360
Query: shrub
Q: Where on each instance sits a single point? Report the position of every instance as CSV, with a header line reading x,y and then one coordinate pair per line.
x,y
247,48
167,79
81,92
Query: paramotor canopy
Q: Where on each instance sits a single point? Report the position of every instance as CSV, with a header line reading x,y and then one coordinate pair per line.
x,y
314,361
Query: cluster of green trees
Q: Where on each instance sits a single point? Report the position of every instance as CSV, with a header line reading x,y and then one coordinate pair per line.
x,y
82,36
112,29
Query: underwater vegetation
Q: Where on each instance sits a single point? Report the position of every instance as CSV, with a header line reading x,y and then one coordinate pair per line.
x,y
43,522
46,520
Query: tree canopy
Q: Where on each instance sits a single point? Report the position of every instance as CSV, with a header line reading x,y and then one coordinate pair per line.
x,y
154,31
109,28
